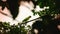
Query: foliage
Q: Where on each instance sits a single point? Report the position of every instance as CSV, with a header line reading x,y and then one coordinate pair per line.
x,y
47,15
6,28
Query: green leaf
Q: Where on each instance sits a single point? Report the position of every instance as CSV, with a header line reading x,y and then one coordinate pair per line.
x,y
26,19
